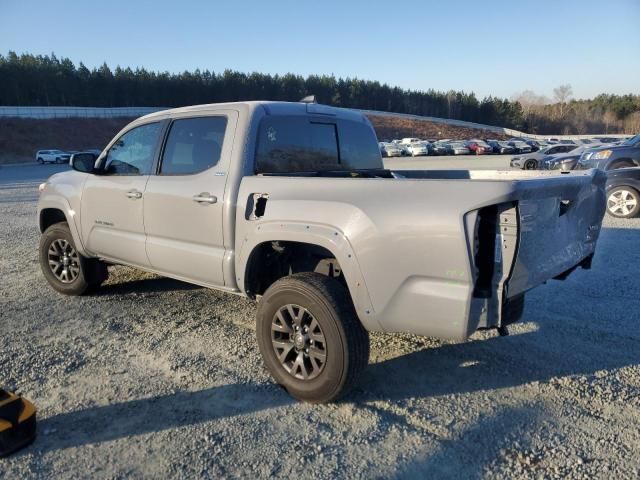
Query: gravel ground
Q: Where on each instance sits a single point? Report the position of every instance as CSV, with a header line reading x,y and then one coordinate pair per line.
x,y
155,378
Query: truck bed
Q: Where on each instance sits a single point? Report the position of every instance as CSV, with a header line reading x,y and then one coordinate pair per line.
x,y
407,244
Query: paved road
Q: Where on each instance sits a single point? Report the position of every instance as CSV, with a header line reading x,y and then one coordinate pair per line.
x,y
28,173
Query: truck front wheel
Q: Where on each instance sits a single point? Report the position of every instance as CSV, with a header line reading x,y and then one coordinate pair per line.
x,y
310,337
64,268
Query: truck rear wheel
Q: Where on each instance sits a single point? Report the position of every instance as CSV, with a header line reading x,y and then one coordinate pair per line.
x,y
64,268
310,337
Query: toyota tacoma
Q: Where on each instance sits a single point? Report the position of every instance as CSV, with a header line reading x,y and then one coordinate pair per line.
x,y
290,204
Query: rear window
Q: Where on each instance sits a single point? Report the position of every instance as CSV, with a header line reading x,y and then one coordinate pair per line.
x,y
291,144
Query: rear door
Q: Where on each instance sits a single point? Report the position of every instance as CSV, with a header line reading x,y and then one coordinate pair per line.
x,y
183,207
112,202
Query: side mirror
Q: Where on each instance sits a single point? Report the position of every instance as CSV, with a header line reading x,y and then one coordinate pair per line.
x,y
83,162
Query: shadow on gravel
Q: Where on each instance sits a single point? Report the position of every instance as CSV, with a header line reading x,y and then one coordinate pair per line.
x,y
485,365
151,415
470,461
144,285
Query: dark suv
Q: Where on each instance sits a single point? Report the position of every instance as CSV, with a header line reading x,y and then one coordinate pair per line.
x,y
624,155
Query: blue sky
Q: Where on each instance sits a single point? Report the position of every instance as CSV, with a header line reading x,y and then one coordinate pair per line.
x,y
488,47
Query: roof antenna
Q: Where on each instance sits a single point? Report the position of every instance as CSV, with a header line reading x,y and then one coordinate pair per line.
x,y
309,99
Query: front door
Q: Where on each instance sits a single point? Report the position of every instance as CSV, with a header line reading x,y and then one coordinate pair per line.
x,y
112,201
183,204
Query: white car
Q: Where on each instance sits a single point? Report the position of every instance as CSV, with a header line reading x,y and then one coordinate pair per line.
x,y
418,149
52,156
409,140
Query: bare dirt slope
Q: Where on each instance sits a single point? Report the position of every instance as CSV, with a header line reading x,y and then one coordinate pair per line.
x,y
388,128
21,138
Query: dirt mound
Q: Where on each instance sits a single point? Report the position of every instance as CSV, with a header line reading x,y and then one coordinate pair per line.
x,y
388,128
21,138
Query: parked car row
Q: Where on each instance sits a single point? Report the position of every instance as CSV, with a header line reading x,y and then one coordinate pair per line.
x,y
620,159
415,147
567,156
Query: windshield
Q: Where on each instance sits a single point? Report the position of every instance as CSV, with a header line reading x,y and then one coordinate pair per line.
x,y
632,140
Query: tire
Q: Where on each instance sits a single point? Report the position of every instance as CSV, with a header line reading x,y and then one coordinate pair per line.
x,y
40,161
623,202
530,165
299,300
82,274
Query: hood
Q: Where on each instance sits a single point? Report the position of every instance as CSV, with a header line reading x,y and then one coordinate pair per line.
x,y
615,148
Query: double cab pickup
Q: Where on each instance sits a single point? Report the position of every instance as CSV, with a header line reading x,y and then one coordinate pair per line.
x,y
290,204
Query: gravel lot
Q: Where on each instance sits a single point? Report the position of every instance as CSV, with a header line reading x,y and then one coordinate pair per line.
x,y
155,378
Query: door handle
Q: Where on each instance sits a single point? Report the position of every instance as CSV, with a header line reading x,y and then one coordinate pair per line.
x,y
135,194
205,197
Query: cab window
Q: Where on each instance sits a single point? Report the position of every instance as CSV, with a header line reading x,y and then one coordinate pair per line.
x,y
133,152
193,145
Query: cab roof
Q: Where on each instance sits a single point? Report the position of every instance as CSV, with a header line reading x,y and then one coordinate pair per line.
x,y
269,107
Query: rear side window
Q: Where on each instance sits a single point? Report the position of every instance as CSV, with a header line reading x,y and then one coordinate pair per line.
x,y
291,144
193,145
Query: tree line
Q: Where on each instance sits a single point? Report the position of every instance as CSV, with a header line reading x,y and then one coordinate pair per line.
x,y
603,114
46,80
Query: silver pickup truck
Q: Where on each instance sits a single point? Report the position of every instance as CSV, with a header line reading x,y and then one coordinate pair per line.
x,y
290,204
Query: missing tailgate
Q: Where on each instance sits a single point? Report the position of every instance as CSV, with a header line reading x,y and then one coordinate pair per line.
x,y
485,251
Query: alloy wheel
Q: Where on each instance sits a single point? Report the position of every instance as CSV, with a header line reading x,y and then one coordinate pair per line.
x,y
298,342
622,202
64,261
